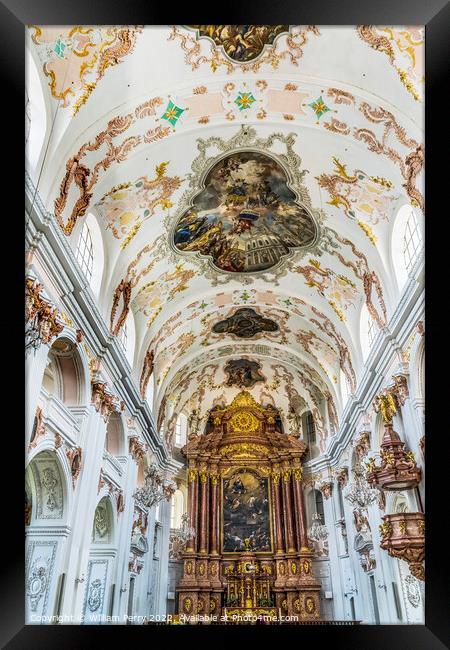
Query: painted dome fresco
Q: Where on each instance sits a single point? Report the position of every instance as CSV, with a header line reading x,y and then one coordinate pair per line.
x,y
246,217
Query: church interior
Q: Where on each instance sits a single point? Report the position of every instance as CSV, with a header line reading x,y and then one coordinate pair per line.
x,y
224,325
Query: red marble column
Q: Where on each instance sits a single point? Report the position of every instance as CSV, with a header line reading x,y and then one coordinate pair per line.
x,y
214,519
287,507
191,544
300,507
203,518
276,500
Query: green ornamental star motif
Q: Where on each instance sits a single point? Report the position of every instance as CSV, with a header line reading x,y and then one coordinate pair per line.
x,y
172,113
244,100
59,48
319,107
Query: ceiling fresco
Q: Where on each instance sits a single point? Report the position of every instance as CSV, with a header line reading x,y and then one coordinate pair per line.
x,y
246,202
246,217
241,43
243,373
245,323
244,47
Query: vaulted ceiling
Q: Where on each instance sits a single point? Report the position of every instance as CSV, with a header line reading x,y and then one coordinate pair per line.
x,y
190,147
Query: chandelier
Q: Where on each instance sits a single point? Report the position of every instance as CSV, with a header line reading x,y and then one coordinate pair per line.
x,y
156,488
318,531
185,532
360,494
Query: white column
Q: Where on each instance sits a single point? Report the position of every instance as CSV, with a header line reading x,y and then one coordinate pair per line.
x,y
35,364
361,596
92,441
161,603
122,578
383,574
151,584
330,515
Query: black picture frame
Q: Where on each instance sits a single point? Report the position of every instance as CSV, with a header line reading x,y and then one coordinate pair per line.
x,y
14,15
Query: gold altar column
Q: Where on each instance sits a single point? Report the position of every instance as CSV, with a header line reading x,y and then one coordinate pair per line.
x,y
276,500
203,519
192,503
287,506
214,533
300,507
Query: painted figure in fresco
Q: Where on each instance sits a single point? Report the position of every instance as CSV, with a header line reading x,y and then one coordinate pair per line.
x,y
243,373
241,43
246,517
245,323
238,486
246,217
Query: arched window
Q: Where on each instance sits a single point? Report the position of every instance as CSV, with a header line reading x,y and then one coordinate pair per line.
x,y
407,243
368,331
123,336
310,428
344,388
127,338
85,252
35,117
150,392
341,500
90,254
318,498
412,242
180,430
176,509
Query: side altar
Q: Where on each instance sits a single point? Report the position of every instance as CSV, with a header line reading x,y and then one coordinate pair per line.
x,y
245,502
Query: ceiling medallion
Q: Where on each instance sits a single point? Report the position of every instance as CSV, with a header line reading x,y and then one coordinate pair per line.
x,y
240,43
252,212
245,323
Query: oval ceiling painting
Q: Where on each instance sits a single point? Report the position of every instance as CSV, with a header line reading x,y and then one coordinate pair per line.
x,y
245,218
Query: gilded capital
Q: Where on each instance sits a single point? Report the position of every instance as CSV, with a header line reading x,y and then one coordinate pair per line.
x,y
276,477
192,474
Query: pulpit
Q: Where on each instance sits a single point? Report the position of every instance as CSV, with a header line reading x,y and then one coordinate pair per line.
x,y
245,502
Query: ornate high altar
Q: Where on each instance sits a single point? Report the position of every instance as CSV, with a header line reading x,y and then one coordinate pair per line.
x,y
250,552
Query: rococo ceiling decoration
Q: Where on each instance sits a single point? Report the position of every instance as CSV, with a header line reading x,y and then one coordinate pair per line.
x,y
252,213
240,43
245,323
404,48
76,58
243,47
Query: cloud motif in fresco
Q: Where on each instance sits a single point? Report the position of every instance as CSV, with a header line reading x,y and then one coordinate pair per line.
x,y
245,218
